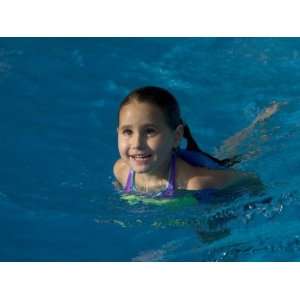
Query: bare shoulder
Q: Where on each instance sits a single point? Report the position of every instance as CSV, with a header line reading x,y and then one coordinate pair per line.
x,y
203,178
197,178
190,177
121,170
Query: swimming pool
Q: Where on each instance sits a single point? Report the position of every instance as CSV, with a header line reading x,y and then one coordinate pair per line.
x,y
59,99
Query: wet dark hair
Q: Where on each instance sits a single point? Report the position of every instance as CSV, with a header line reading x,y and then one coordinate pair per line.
x,y
168,104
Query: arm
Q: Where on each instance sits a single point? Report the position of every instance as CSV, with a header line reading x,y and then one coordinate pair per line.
x,y
229,146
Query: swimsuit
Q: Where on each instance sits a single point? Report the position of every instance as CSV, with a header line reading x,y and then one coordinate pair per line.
x,y
191,157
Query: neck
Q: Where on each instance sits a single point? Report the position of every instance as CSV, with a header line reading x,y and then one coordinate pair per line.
x,y
162,173
153,180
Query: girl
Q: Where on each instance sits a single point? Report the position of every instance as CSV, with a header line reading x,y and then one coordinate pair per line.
x,y
149,134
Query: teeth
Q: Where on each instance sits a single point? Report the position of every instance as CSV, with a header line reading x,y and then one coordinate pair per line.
x,y
140,156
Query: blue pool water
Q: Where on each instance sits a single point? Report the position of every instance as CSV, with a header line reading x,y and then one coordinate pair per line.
x,y
59,99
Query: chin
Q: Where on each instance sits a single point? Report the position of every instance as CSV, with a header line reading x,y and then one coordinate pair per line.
x,y
141,171
146,168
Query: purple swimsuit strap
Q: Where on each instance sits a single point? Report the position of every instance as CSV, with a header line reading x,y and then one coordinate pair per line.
x,y
169,191
129,184
171,187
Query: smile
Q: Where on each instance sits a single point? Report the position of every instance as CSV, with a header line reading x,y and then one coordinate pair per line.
x,y
140,157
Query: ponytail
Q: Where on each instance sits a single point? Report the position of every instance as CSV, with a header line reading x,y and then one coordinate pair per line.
x,y
191,143
192,146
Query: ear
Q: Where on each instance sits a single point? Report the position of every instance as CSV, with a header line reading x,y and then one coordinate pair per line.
x,y
117,130
178,135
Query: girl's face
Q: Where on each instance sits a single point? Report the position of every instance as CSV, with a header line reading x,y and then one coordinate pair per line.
x,y
145,140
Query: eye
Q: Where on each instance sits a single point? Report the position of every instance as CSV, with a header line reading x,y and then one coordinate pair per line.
x,y
127,132
150,131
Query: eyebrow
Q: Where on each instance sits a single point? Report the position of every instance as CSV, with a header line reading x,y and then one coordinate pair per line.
x,y
144,125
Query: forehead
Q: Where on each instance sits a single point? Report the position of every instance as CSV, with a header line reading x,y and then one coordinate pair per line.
x,y
141,113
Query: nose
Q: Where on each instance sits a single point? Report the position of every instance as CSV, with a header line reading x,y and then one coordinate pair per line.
x,y
138,141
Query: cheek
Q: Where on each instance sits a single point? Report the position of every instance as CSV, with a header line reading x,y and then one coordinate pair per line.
x,y
162,143
121,145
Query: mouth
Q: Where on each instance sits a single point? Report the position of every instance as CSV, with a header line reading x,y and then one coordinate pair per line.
x,y
140,157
